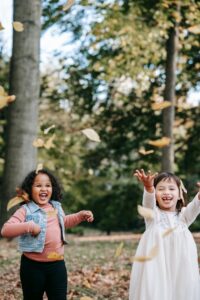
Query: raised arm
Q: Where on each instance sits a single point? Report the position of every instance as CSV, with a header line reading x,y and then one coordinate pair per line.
x,y
192,210
74,219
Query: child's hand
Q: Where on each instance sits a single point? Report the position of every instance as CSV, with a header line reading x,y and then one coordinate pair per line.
x,y
86,215
146,179
36,230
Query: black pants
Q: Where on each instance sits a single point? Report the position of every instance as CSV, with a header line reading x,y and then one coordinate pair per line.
x,y
39,277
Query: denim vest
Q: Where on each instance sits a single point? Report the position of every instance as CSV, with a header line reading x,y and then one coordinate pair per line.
x,y
29,243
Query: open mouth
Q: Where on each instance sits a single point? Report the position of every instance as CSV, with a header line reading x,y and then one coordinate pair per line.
x,y
43,196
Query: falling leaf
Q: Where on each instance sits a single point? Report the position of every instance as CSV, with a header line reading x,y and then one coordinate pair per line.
x,y
152,254
11,98
168,231
2,91
145,212
49,143
145,152
161,105
194,29
14,201
91,134
18,26
38,143
118,251
3,101
39,167
48,129
68,5
164,141
86,298
1,26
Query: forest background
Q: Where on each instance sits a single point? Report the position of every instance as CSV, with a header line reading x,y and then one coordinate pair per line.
x,y
128,76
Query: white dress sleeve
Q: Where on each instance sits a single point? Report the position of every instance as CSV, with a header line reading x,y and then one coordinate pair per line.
x,y
191,211
149,199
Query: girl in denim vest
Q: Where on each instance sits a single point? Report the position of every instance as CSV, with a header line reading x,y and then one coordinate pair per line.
x,y
40,224
166,263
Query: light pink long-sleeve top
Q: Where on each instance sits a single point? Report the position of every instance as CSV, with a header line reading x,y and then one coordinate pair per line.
x,y
53,248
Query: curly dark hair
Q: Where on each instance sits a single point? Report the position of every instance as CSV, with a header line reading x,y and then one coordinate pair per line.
x,y
56,187
167,176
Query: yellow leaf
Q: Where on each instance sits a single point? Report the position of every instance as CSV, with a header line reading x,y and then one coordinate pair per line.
x,y
145,152
14,201
48,129
39,167
3,101
168,231
118,251
1,26
38,143
54,255
164,141
49,143
18,26
2,91
152,254
68,5
161,105
91,134
145,212
194,29
11,98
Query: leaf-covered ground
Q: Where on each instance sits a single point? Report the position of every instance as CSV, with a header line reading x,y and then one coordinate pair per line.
x,y
98,268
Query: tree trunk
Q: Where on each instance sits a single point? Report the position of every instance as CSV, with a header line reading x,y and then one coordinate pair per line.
x,y
22,118
169,95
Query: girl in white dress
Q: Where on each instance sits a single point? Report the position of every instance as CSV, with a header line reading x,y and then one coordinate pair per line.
x,y
165,265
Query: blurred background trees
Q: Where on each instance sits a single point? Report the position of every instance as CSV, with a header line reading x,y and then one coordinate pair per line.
x,y
126,58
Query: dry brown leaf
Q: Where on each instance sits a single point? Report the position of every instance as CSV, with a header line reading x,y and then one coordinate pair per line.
x,y
119,249
68,5
91,134
145,212
3,101
38,143
164,141
1,26
48,129
18,26
86,284
39,167
49,143
14,201
86,298
161,105
168,231
2,91
194,29
152,254
145,152
11,98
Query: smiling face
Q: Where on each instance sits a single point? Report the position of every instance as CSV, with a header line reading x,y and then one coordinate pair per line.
x,y
167,194
41,189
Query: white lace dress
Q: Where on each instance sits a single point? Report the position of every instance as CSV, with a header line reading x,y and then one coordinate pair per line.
x,y
173,273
